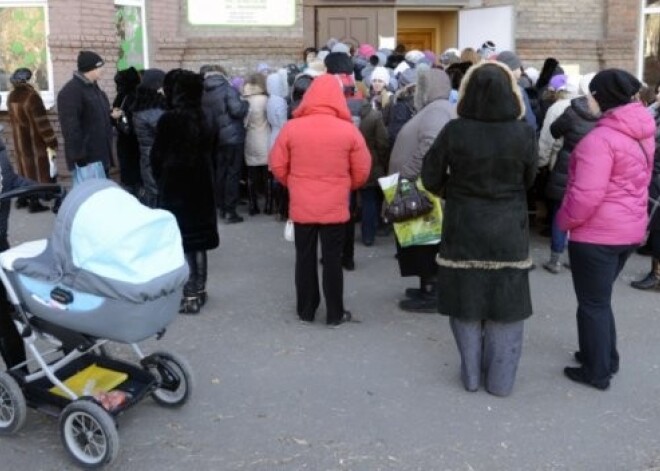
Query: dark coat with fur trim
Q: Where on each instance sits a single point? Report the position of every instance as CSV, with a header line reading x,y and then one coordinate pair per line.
x,y
32,132
484,162
181,165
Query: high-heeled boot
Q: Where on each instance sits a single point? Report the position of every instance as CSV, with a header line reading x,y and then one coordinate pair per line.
x,y
200,279
269,194
190,301
650,281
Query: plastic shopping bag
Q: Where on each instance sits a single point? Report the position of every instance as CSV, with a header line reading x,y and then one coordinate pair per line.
x,y
423,230
289,231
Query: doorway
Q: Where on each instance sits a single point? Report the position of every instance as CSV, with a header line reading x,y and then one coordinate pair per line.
x,y
433,30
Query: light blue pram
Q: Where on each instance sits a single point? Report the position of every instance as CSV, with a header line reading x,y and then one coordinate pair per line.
x,y
112,270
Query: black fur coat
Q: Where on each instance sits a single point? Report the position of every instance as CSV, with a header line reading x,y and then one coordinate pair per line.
x,y
181,165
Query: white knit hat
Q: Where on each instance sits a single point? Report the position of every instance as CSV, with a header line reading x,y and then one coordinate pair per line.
x,y
380,73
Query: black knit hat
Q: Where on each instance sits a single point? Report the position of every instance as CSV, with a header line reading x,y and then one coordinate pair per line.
x,y
21,75
89,60
613,87
152,79
338,63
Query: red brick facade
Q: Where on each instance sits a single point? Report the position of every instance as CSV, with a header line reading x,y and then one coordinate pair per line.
x,y
592,33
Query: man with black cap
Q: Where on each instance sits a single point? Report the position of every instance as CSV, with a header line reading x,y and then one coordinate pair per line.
x,y
34,138
85,118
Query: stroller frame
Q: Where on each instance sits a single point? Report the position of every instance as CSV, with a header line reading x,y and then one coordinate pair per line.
x,y
88,430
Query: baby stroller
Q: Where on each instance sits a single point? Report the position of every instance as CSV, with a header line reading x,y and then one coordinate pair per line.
x,y
112,270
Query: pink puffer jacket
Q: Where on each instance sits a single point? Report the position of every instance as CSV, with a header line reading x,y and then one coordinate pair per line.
x,y
608,178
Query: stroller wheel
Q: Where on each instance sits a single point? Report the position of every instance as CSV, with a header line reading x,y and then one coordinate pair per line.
x,y
174,376
89,434
13,408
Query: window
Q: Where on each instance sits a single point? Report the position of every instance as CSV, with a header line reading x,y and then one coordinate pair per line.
x,y
23,43
131,31
649,44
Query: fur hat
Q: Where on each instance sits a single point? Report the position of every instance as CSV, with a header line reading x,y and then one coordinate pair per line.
x,y
510,59
380,73
88,61
613,87
338,63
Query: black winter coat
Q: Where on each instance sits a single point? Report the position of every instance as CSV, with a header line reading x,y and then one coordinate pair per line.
x,y
574,123
149,107
84,115
224,110
9,180
654,186
484,170
181,165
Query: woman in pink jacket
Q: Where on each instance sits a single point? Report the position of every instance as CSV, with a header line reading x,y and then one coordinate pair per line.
x,y
320,156
604,210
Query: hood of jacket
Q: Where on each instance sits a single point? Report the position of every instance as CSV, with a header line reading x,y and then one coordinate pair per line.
x,y
432,84
581,106
632,120
214,81
324,96
277,83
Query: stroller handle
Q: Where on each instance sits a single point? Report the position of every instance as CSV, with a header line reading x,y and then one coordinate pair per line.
x,y
34,190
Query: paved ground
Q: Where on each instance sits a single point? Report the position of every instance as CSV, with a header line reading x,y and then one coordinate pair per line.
x,y
384,394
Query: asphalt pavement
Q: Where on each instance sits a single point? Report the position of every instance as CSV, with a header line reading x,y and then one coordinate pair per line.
x,y
272,393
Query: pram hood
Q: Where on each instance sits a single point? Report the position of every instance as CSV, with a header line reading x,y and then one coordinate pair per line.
x,y
105,242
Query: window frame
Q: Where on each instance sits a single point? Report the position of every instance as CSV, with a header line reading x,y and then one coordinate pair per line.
x,y
145,42
48,96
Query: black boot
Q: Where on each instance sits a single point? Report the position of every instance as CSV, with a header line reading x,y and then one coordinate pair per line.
x,y
35,206
253,197
190,300
200,284
269,194
427,287
650,281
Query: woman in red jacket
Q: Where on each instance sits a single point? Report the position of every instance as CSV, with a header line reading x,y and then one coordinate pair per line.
x,y
320,156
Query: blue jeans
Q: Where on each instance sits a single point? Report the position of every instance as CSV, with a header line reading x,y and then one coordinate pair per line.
x,y
558,237
594,269
369,213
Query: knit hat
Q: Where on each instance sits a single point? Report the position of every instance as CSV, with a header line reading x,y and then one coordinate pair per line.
x,y
558,82
338,63
487,49
21,75
366,51
613,87
510,59
341,47
414,56
380,73
88,61
152,79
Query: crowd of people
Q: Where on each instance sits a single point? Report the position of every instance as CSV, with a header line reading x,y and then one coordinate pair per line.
x,y
496,141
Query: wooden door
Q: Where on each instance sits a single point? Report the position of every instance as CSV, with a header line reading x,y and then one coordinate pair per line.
x,y
418,38
353,26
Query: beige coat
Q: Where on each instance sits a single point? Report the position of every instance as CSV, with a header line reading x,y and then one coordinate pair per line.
x,y
257,127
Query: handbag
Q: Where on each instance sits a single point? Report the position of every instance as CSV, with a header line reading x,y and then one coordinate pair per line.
x,y
408,203
289,231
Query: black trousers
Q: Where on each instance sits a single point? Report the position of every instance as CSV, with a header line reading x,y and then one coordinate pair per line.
x,y
594,269
307,275
12,348
228,166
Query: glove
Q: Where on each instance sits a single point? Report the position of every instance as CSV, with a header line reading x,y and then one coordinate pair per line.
x,y
52,166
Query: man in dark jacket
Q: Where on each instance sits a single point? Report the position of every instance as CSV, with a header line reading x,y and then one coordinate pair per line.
x,y
85,116
225,110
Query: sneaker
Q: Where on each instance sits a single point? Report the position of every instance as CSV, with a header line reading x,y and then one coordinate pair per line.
x,y
553,267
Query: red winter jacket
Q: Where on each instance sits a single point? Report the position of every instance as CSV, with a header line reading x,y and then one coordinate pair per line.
x,y
321,156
